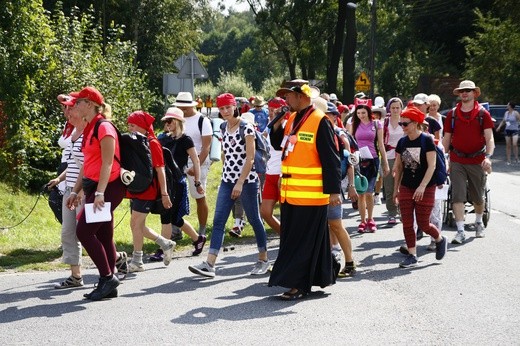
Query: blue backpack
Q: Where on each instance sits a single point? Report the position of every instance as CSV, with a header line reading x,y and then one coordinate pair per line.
x,y
440,175
262,154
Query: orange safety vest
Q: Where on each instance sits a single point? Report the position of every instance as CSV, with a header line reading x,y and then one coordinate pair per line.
x,y
302,179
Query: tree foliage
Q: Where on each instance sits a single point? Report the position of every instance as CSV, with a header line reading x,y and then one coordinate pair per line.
x,y
492,60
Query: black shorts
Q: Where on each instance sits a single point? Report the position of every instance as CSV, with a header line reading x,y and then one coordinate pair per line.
x,y
141,206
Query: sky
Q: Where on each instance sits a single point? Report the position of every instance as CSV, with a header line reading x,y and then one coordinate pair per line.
x,y
239,7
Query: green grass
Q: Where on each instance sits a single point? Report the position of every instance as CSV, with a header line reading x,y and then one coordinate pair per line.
x,y
35,243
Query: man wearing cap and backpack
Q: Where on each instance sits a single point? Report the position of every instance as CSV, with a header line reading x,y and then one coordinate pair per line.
x,y
468,137
201,136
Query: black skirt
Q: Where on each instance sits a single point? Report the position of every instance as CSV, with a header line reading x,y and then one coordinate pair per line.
x,y
304,259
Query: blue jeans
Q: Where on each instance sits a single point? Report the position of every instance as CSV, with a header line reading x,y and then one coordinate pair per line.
x,y
223,206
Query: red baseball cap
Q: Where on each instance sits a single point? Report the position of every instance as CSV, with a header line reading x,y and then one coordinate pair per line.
x,y
89,93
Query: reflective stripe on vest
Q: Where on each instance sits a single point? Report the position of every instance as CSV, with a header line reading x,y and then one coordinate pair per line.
x,y
302,179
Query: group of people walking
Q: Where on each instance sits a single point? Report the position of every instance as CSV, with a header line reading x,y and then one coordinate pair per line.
x,y
303,174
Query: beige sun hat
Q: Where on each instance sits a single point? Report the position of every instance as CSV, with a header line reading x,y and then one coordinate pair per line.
x,y
467,84
173,113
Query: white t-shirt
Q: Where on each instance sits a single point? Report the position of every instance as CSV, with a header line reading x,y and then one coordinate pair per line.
x,y
394,135
191,128
274,164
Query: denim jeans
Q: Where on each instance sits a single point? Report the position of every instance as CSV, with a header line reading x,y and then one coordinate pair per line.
x,y
223,206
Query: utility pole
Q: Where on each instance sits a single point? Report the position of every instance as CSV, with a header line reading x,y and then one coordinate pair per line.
x,y
373,26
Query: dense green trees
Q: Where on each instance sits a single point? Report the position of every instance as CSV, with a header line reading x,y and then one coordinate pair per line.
x,y
123,47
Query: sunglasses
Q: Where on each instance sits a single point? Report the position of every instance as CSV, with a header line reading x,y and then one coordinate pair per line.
x,y
404,123
465,90
168,121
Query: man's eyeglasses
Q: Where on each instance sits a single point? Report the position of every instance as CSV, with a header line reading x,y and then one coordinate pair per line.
x,y
465,90
404,123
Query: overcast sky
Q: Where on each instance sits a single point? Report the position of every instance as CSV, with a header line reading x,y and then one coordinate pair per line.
x,y
242,6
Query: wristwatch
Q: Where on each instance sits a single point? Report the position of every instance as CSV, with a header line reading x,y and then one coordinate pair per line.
x,y
97,193
197,183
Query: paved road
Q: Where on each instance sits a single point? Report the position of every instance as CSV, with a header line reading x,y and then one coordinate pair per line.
x,y
471,297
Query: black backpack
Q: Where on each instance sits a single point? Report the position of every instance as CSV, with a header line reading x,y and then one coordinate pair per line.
x,y
135,156
440,175
173,176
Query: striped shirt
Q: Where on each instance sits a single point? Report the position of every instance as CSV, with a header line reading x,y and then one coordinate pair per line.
x,y
74,157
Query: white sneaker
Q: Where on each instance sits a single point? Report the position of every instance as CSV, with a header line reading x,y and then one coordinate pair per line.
x,y
377,199
479,228
168,252
135,267
260,268
459,238
203,269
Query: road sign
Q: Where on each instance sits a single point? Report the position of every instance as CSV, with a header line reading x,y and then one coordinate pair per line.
x,y
192,68
362,83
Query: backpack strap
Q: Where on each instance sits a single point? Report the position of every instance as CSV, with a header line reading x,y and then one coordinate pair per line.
x,y
96,130
201,120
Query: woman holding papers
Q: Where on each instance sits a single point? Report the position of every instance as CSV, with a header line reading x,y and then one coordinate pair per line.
x,y
369,136
102,187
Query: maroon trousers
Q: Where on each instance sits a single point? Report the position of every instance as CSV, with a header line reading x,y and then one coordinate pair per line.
x,y
98,238
422,210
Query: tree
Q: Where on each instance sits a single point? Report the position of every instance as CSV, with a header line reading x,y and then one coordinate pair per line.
x,y
492,58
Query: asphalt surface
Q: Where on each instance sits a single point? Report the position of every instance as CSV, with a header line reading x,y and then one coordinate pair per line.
x,y
472,296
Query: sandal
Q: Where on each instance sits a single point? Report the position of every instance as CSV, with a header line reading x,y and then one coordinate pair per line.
x,y
298,294
362,227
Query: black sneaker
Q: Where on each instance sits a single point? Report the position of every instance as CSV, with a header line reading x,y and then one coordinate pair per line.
x,y
409,262
199,245
157,256
441,249
404,250
420,234
236,232
105,287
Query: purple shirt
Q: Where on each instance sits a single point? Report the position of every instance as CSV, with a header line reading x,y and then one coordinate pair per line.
x,y
366,134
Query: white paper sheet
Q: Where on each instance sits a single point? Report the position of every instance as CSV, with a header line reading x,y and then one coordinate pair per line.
x,y
102,215
365,153
442,193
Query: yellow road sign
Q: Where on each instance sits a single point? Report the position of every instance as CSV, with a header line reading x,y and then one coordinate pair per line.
x,y
362,83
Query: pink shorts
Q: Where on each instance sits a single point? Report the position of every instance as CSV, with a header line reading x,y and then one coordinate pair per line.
x,y
271,190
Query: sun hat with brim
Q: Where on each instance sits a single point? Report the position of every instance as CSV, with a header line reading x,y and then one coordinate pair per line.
x,y
258,101
467,84
295,86
184,99
89,93
173,113
381,110
331,108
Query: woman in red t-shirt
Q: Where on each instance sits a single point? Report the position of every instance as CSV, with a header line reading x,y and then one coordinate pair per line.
x,y
100,183
142,203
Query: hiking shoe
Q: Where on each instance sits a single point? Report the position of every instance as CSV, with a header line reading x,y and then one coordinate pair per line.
x,y
404,250
260,267
348,271
112,294
355,205
419,234
442,248
70,282
176,236
479,228
409,262
236,232
121,263
392,220
459,238
362,227
168,252
371,226
157,256
432,246
105,287
377,200
203,269
135,267
199,245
